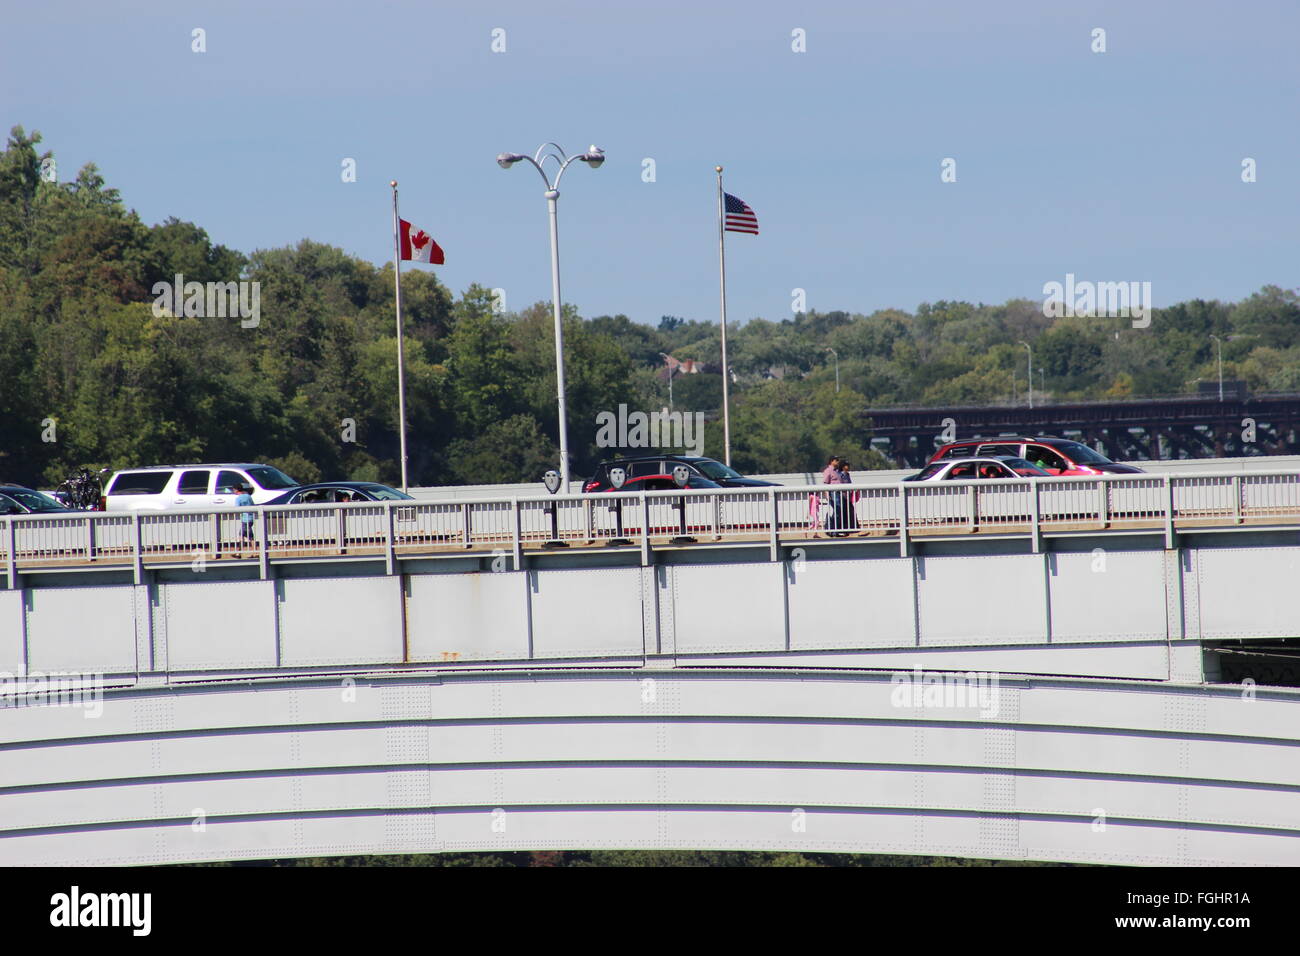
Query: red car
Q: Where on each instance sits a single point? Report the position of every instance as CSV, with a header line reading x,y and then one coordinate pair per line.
x,y
1056,456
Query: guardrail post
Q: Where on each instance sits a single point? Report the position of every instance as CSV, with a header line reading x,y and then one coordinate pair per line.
x,y
264,545
717,515
390,552
586,516
1036,531
776,523
904,544
466,539
1236,499
972,505
11,552
517,533
1103,502
342,528
90,538
645,531
1169,512
137,543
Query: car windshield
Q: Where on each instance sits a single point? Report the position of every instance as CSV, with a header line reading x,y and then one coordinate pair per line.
x,y
384,493
1022,467
1084,455
34,500
928,472
716,469
272,479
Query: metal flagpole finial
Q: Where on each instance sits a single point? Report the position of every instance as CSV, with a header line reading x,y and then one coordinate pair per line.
x,y
717,169
393,183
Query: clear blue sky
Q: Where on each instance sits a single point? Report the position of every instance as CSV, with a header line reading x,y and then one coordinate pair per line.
x,y
1117,166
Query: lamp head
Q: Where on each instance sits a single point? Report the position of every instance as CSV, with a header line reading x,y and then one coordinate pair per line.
x,y
593,157
506,160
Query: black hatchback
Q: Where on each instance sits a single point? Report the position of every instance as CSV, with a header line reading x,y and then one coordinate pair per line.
x,y
642,466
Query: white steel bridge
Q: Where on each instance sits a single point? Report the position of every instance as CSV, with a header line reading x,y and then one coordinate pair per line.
x,y
1027,669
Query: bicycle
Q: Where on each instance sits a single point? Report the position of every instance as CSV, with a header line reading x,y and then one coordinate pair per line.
x,y
82,491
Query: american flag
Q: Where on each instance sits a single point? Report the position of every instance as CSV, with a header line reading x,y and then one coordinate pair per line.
x,y
740,218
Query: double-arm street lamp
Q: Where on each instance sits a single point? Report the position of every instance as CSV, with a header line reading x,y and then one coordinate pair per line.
x,y
593,157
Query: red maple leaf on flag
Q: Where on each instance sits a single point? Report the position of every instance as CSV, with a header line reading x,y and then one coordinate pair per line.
x,y
416,245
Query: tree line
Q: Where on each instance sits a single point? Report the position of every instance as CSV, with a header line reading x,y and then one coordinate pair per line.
x,y
90,375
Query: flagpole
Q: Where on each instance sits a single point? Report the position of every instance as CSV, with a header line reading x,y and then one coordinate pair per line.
x,y
722,276
401,358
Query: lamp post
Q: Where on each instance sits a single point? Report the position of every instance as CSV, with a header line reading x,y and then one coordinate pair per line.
x,y
837,368
593,157
1031,373
1219,342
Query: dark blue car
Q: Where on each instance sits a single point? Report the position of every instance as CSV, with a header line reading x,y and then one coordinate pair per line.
x,y
649,466
330,492
19,500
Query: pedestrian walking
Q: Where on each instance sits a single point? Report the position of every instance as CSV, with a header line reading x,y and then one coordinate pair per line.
x,y
819,512
246,519
848,500
835,521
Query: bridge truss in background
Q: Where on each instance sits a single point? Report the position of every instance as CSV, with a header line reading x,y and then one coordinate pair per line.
x,y
1153,428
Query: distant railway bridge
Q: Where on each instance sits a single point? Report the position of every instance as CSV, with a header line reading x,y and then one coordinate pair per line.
x,y
1153,428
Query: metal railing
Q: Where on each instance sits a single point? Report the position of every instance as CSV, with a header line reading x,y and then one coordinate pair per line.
x,y
393,529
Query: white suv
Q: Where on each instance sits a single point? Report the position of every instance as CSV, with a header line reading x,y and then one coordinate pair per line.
x,y
163,487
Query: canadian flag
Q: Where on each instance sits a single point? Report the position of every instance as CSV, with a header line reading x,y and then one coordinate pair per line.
x,y
418,245
680,366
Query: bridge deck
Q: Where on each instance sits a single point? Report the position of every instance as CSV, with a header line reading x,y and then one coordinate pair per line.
x,y
658,540
1036,508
